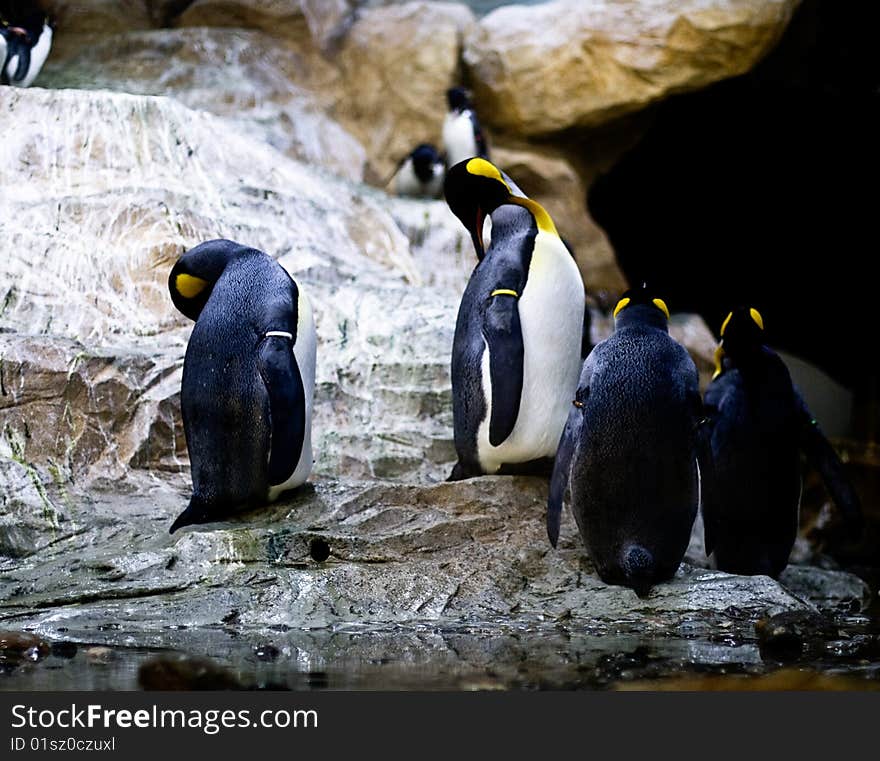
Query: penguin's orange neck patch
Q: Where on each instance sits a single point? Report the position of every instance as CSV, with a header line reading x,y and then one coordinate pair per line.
x,y
189,286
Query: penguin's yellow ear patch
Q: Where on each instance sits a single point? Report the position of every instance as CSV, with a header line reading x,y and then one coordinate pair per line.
x,y
483,168
724,324
756,317
621,305
719,357
189,286
661,305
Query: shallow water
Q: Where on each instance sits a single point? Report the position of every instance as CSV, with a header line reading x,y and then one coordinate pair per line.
x,y
479,657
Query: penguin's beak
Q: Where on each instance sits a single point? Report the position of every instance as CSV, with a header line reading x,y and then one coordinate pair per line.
x,y
719,359
477,233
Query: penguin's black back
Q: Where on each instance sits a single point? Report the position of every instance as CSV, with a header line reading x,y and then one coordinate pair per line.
x,y
224,400
751,494
634,479
513,237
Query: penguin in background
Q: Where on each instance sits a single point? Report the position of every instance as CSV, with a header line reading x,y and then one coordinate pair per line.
x,y
759,427
25,42
517,345
420,174
462,135
248,378
629,450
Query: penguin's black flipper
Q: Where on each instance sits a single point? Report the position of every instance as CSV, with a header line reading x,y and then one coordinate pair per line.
x,y
822,456
561,470
287,411
503,334
24,61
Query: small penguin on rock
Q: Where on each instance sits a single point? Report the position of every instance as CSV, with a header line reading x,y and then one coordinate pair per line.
x,y
759,427
420,175
629,450
518,336
248,378
25,42
462,136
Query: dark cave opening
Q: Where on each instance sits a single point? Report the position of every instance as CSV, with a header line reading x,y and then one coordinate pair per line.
x,y
763,189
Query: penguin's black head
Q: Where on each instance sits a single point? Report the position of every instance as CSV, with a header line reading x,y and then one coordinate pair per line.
x,y
424,157
742,334
474,188
457,98
194,275
643,303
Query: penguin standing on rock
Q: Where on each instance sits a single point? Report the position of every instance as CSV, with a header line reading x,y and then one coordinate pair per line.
x,y
248,378
420,175
462,136
628,453
759,427
516,351
25,41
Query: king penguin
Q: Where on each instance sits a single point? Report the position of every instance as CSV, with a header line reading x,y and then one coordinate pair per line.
x,y
25,42
462,136
628,453
420,174
518,337
759,427
248,378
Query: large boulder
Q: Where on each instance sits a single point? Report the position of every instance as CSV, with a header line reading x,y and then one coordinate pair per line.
x,y
545,68
382,72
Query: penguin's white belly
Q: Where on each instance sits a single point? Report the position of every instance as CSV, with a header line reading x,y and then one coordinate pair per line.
x,y
407,183
551,312
39,54
305,351
458,137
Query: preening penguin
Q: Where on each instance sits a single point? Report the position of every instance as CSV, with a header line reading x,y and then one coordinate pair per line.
x,y
25,42
628,453
248,378
759,426
462,135
420,174
516,351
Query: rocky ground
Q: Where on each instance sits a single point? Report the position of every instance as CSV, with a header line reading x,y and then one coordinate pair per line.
x,y
270,124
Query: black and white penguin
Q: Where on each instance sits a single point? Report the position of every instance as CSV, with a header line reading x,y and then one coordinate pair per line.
x,y
462,136
628,453
25,42
516,350
248,378
759,426
420,174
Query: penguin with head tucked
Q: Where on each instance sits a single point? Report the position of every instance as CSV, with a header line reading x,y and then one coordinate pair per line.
x,y
518,336
420,175
462,136
248,378
25,42
628,453
759,426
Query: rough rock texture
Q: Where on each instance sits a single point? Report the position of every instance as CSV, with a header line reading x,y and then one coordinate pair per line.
x,y
100,16
246,77
387,71
474,552
573,63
